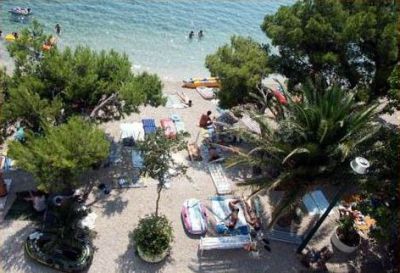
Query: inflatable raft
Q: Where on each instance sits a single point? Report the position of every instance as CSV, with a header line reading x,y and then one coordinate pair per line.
x,y
197,82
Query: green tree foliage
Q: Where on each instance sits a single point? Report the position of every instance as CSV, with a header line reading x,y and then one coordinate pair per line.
x,y
240,67
382,184
79,81
27,49
394,92
157,152
57,159
314,140
354,41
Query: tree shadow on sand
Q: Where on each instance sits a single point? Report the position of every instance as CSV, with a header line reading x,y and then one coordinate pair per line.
x,y
13,256
130,262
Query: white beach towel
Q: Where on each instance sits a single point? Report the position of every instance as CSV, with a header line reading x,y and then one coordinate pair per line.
x,y
173,101
138,131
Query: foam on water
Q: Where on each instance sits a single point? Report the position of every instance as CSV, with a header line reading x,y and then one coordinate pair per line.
x,y
154,33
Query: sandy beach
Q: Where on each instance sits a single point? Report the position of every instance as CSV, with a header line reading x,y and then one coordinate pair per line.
x,y
119,212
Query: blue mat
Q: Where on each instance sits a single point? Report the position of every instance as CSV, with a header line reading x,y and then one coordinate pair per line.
x,y
149,126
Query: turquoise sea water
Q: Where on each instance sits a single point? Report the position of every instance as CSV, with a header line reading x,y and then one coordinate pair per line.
x,y
154,33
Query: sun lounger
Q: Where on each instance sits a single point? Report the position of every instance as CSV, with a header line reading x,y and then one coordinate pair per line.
x,y
315,202
169,127
229,242
206,92
222,184
149,126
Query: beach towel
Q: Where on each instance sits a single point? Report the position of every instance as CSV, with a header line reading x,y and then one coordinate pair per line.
x,y
149,126
137,159
173,101
179,124
138,131
206,92
221,211
169,127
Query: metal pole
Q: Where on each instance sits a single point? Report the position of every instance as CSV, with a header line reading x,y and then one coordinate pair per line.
x,y
309,236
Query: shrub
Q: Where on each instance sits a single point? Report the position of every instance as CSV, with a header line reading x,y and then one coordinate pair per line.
x,y
153,235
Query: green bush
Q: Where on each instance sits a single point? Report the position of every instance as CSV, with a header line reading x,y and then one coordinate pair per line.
x,y
153,235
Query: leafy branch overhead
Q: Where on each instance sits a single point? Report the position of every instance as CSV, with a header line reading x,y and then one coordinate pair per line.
x,y
58,158
57,84
313,141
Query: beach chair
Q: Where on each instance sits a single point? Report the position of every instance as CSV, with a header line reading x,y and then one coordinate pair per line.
x,y
222,184
229,242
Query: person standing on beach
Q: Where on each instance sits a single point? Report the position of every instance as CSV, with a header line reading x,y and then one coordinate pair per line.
x,y
58,29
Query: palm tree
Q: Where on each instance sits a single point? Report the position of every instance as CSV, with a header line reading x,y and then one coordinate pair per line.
x,y
314,140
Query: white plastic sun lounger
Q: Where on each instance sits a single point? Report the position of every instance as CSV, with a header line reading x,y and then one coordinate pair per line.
x,y
229,242
222,184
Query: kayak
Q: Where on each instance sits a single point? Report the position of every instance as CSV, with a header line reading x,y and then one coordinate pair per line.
x,y
20,11
10,38
197,82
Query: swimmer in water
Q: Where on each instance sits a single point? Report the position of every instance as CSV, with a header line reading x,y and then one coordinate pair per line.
x,y
191,34
201,34
58,29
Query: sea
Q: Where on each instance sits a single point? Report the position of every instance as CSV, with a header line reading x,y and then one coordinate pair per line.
x,y
153,33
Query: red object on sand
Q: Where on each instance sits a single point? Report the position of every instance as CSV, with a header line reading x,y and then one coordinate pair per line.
x,y
280,97
169,127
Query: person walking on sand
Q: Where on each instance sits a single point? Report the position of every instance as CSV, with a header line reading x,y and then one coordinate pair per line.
x,y
58,29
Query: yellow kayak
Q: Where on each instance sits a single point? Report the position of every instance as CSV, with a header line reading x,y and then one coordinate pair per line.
x,y
9,38
197,82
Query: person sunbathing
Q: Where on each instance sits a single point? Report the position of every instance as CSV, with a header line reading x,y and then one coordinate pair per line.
x,y
251,216
38,200
185,99
234,216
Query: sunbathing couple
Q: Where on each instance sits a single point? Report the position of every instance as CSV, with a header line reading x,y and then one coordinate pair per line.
x,y
249,214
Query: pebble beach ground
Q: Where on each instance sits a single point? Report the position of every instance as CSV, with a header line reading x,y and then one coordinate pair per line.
x,y
118,214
